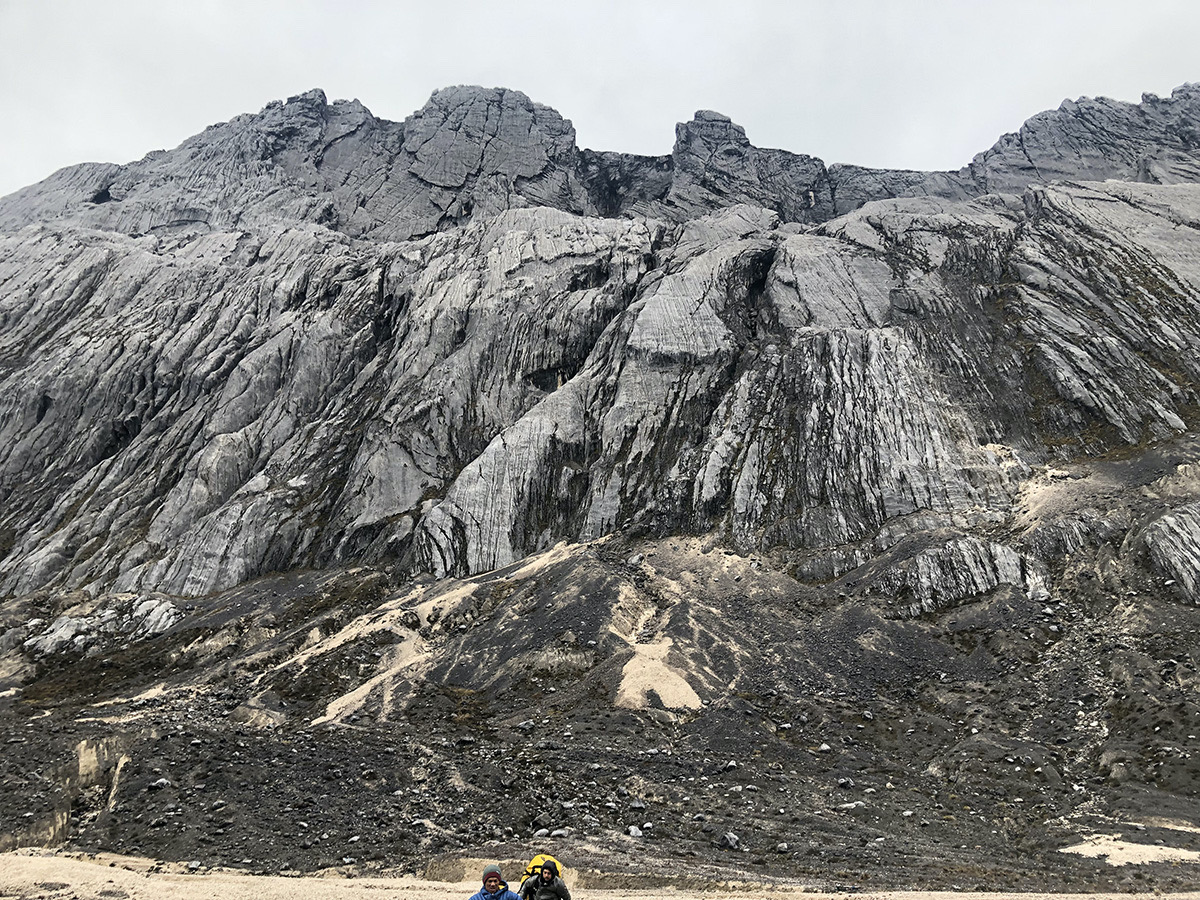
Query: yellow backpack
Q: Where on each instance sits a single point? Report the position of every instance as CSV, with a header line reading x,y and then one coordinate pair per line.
x,y
535,865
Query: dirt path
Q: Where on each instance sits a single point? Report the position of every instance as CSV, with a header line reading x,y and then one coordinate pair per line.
x,y
44,875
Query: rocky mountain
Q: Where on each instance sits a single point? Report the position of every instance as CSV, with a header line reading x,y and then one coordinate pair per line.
x,y
724,499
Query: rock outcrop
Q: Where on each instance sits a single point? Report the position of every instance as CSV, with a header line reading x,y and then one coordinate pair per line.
x,y
468,151
475,152
283,376
1094,139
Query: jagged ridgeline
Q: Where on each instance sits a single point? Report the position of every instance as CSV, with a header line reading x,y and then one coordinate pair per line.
x,y
310,337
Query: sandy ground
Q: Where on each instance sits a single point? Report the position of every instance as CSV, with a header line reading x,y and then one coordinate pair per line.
x,y
30,874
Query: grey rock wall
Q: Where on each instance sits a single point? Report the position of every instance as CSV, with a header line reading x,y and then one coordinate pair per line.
x,y
1174,545
1093,139
477,151
310,337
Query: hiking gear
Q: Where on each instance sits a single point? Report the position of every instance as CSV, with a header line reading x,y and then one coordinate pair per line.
x,y
535,865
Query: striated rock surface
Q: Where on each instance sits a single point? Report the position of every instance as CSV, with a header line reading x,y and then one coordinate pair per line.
x,y
447,427
191,403
1174,545
715,165
1093,139
476,151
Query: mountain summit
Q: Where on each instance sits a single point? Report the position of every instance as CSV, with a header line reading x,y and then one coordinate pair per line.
x,y
475,151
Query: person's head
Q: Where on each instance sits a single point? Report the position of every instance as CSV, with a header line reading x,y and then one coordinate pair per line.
x,y
491,878
549,870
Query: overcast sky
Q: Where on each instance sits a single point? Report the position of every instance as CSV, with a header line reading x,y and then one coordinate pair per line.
x,y
920,84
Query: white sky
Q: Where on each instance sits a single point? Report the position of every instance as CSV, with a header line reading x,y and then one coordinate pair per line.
x,y
920,84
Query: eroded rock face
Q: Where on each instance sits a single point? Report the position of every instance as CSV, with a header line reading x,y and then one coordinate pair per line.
x,y
1174,545
716,165
193,402
335,384
97,628
468,151
475,151
447,448
1093,139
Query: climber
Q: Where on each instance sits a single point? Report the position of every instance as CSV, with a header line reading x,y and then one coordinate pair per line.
x,y
494,886
545,884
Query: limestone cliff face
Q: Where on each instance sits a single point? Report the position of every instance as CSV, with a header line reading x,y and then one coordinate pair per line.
x,y
310,337
1090,139
473,151
468,151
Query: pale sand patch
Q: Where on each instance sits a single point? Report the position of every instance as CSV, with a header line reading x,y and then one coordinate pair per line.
x,y
630,613
26,874
1122,853
155,692
1172,824
401,659
406,657
648,671
534,564
388,617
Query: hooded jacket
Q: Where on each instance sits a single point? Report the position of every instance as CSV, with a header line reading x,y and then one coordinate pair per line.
x,y
538,888
501,893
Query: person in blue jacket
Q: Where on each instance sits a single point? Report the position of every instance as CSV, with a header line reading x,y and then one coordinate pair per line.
x,y
494,886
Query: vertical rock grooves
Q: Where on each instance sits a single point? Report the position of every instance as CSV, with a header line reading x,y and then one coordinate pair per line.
x,y
311,337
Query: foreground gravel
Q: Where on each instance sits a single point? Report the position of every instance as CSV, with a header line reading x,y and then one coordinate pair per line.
x,y
25,875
